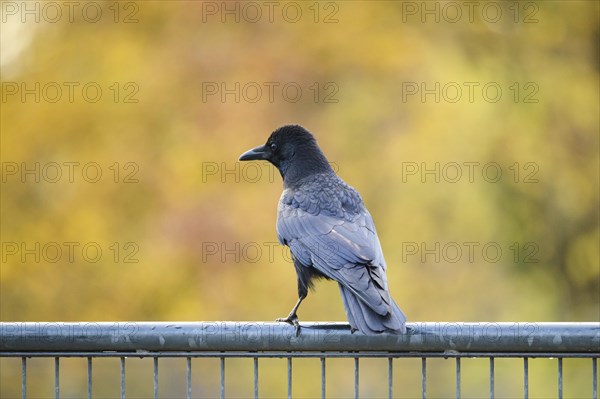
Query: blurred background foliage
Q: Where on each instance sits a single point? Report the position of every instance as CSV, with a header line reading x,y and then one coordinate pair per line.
x,y
201,225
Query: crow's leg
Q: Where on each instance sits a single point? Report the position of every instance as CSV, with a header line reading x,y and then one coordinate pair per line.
x,y
303,283
292,318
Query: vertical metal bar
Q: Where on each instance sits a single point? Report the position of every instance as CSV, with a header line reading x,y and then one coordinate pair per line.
x,y
256,378
56,378
491,378
155,377
458,378
23,377
390,377
188,365
560,378
525,378
222,378
323,382
356,378
122,377
424,376
289,370
594,378
89,373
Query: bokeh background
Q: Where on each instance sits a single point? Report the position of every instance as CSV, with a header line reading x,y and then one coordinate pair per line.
x,y
161,97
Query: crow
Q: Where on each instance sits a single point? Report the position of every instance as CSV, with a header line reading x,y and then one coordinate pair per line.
x,y
329,231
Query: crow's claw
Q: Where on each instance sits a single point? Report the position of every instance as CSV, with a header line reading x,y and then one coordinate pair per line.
x,y
292,320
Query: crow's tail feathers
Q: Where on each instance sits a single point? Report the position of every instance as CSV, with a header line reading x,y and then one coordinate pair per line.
x,y
367,321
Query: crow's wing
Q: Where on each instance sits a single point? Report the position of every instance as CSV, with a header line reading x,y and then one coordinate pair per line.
x,y
341,245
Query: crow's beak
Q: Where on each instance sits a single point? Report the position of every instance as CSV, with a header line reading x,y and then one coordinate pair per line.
x,y
255,153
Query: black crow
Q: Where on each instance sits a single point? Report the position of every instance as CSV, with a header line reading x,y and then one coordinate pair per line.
x,y
329,231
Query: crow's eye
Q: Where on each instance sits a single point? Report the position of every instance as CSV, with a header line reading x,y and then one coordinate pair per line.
x,y
273,147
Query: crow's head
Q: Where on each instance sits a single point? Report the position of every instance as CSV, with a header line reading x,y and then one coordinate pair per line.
x,y
293,150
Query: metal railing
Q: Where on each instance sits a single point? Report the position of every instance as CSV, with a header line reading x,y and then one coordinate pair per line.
x,y
224,340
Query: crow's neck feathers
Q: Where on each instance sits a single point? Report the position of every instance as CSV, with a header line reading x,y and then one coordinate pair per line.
x,y
307,160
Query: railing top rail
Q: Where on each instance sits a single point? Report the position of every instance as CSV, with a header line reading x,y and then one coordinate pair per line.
x,y
448,337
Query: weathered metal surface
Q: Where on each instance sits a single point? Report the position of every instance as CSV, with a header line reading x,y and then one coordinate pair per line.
x,y
446,337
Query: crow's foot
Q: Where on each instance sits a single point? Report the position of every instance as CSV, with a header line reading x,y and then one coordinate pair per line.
x,y
293,320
